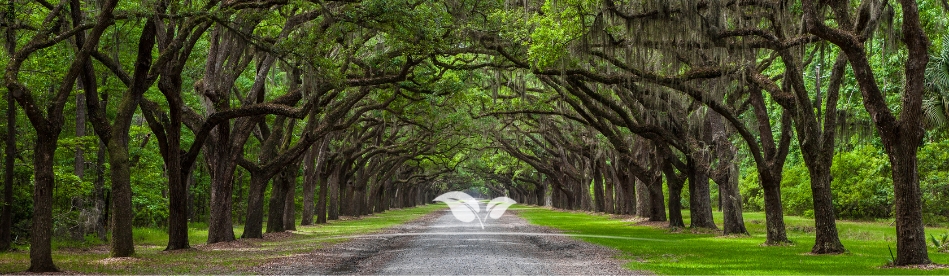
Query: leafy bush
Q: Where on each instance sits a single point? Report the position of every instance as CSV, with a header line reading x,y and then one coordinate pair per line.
x,y
862,184
796,190
934,181
752,195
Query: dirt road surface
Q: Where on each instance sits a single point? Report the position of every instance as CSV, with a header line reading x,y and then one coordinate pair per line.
x,y
440,244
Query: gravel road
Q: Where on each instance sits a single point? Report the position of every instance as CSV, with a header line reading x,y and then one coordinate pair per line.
x,y
440,244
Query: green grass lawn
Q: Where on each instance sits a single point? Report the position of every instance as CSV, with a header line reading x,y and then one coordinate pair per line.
x,y
214,259
687,253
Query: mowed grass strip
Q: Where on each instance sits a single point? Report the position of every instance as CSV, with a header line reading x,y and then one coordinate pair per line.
x,y
686,253
226,258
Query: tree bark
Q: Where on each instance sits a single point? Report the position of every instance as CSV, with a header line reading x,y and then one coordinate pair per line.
x,y
101,194
643,194
253,226
222,180
41,258
774,214
600,203
309,183
290,193
278,197
179,176
675,205
347,202
700,200
901,135
733,219
334,179
6,210
727,178
321,199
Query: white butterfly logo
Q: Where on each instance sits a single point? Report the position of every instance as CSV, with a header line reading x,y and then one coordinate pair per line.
x,y
465,208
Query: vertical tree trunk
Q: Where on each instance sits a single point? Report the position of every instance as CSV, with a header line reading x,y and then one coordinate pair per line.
x,y
79,163
333,212
826,240
41,258
902,145
733,220
727,177
289,204
220,227
309,183
321,199
555,196
80,160
253,225
643,194
277,201
600,203
609,199
675,205
622,186
101,194
359,202
179,177
119,167
911,236
347,202
774,213
6,209
178,181
700,200
656,200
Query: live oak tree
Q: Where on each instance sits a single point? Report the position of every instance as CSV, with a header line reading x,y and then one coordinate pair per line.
x,y
48,120
900,133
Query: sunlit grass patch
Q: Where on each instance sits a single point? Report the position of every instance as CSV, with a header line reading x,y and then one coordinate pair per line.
x,y
689,253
